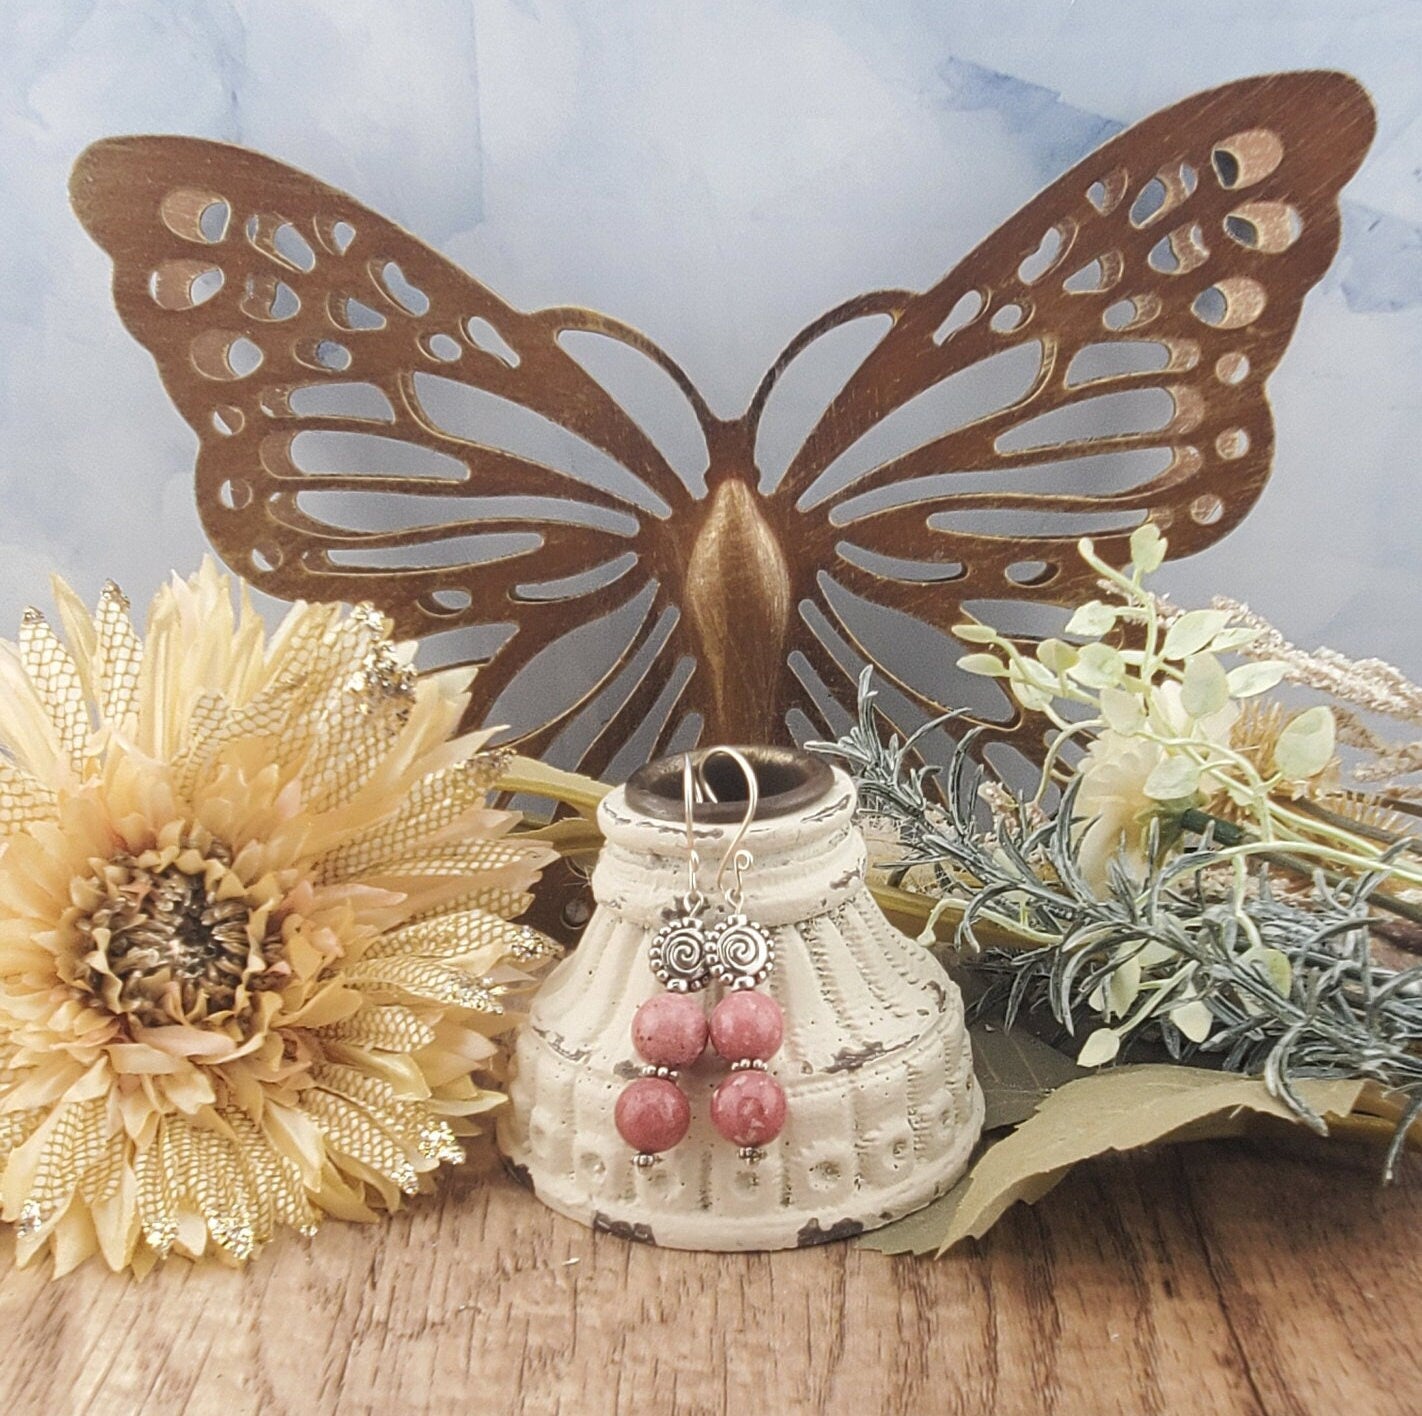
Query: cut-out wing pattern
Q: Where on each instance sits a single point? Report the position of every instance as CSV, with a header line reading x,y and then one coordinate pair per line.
x,y
375,424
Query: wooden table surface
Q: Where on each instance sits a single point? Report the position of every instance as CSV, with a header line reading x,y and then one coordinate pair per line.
x,y
1209,1278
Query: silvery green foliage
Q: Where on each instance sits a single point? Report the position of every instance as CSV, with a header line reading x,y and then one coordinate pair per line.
x,y
1200,956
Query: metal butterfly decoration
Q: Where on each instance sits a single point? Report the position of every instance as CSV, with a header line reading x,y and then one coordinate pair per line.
x,y
501,483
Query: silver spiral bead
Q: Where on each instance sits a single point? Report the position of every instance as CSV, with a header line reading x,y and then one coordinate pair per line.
x,y
678,957
741,952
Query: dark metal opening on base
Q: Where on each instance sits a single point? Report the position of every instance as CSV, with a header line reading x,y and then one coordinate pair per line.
x,y
789,779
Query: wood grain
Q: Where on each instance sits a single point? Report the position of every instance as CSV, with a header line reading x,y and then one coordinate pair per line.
x,y
1213,1278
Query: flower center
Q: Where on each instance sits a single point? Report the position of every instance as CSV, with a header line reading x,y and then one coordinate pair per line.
x,y
163,947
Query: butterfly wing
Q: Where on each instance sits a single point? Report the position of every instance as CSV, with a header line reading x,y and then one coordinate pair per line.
x,y
1099,359
376,425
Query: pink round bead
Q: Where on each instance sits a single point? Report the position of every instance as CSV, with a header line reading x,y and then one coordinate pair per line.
x,y
652,1115
748,1108
669,1030
747,1026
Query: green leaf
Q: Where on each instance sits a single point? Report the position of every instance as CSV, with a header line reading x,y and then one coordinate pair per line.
x,y
1173,779
976,633
1205,689
1122,987
988,665
1099,666
1192,631
1056,655
1124,712
1305,747
1017,1071
1147,547
1100,1047
921,1232
1120,1109
1034,673
1194,1019
1031,697
1273,964
1250,679
1032,684
1153,954
1230,639
1092,619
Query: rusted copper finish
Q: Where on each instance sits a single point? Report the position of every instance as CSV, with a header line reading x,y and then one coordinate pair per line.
x,y
1188,241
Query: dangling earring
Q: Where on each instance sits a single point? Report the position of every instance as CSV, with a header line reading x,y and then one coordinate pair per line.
x,y
746,1028
669,1030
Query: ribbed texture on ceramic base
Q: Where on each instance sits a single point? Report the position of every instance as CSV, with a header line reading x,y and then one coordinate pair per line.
x,y
883,1109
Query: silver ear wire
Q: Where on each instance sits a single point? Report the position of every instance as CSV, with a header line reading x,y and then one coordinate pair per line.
x,y
677,953
736,855
691,794
740,951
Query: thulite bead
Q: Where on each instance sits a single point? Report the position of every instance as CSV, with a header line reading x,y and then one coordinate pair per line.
x,y
747,1026
748,1108
652,1115
669,1030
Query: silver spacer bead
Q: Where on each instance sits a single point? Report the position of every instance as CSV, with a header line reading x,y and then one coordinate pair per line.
x,y
748,1064
644,1160
751,1154
669,1073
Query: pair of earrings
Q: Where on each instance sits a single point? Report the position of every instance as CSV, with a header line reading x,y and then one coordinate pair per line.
x,y
671,1029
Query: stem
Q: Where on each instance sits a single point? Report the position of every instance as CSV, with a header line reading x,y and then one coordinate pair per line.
x,y
1195,747
1148,664
1413,844
1300,822
1053,752
526,775
1108,571
1363,859
1000,932
1239,842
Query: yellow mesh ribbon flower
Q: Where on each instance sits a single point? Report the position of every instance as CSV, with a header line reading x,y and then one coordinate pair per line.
x,y
256,933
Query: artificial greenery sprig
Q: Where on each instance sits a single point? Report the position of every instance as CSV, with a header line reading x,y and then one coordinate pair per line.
x,y
1201,953
1172,730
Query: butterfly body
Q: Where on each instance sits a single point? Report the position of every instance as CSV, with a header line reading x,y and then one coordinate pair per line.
x,y
739,602
376,424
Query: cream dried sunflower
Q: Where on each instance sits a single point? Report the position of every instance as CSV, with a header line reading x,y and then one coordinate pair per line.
x,y
255,924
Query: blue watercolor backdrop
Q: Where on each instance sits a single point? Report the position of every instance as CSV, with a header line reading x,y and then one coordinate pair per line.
x,y
717,174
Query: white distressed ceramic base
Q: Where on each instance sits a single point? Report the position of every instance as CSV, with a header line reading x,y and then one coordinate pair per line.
x,y
883,1108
